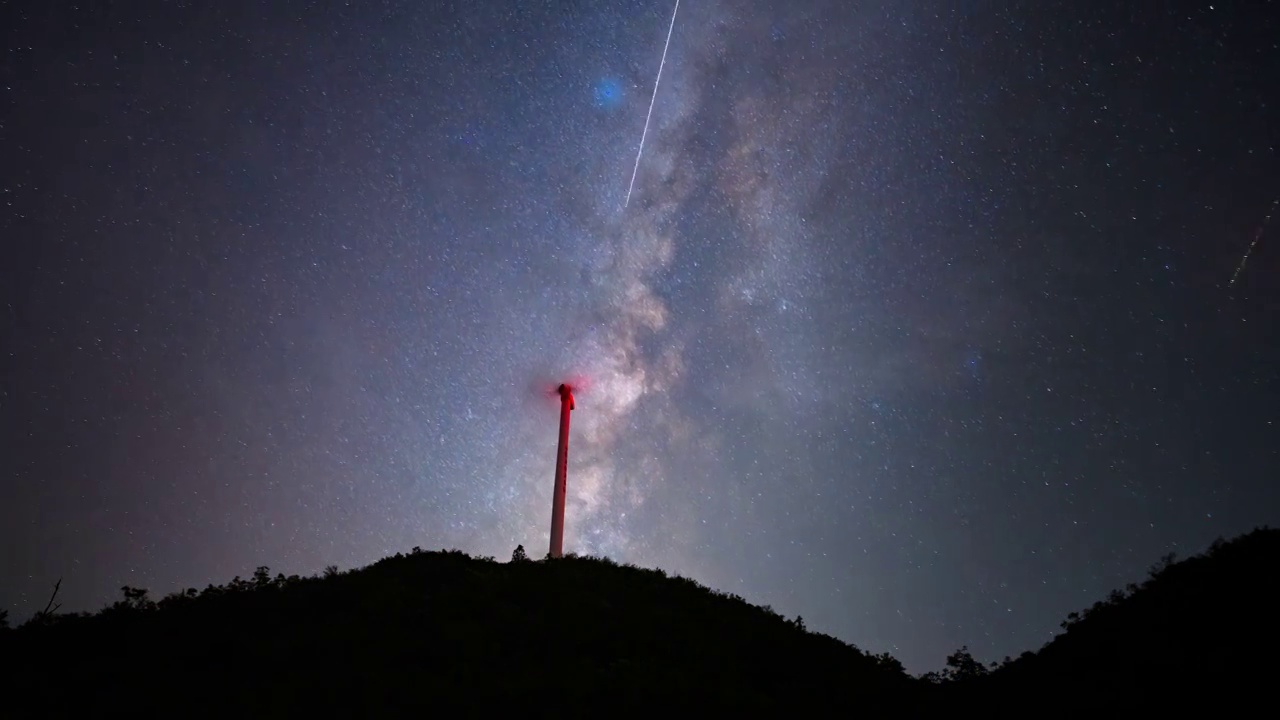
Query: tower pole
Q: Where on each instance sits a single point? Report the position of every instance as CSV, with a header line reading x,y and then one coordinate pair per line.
x,y
562,468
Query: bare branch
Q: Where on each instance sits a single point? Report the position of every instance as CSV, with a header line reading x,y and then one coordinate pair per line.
x,y
52,607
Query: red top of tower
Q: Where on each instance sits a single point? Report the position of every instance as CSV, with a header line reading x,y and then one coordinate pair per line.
x,y
566,390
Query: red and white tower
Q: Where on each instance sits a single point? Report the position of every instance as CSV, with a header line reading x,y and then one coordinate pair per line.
x,y
562,468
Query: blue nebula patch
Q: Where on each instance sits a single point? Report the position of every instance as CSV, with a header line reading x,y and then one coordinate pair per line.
x,y
608,93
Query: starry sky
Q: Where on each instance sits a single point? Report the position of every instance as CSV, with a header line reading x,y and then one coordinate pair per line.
x,y
918,323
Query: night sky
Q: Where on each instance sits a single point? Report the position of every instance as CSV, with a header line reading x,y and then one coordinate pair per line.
x,y
918,323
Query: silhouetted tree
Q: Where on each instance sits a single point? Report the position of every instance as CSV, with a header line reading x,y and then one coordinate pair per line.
x,y
262,577
889,663
519,555
1166,562
135,599
181,597
331,571
961,665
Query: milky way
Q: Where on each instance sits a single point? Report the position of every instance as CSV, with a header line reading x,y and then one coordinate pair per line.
x,y
916,323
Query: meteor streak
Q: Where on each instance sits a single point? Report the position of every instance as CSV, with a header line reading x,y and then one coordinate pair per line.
x,y
1256,237
648,115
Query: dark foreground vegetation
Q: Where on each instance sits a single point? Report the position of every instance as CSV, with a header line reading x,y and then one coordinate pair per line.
x,y
433,632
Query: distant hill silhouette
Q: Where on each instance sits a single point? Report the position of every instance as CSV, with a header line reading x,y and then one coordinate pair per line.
x,y
442,632
1203,630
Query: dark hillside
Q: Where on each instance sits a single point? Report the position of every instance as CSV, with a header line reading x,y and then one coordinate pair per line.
x,y
1201,630
440,631
427,631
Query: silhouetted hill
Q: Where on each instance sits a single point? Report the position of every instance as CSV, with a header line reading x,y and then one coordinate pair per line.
x,y
431,631
440,631
1201,630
